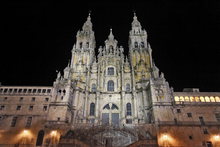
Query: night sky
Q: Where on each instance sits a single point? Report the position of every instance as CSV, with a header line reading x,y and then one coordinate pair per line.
x,y
184,36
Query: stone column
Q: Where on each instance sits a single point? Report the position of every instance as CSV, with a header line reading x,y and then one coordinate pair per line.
x,y
97,107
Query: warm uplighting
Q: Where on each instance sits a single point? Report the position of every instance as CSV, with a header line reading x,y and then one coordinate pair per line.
x,y
217,137
25,133
165,137
53,133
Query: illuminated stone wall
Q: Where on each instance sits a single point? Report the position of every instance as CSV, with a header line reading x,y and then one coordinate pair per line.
x,y
109,94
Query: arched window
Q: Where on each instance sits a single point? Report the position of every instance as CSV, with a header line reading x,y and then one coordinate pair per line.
x,y
110,71
40,138
142,44
106,107
92,109
87,44
93,87
114,107
129,109
80,45
128,88
135,44
110,86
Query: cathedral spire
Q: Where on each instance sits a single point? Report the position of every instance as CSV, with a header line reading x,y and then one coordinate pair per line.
x,y
88,24
136,23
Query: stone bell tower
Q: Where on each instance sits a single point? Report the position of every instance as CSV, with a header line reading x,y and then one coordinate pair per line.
x,y
140,55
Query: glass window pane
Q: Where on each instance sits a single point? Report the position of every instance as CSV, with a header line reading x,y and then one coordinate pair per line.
x,y
212,99
186,98
176,98
207,99
202,99
217,99
181,98
192,99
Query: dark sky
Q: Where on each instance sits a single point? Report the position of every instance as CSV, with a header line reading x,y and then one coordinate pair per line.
x,y
184,36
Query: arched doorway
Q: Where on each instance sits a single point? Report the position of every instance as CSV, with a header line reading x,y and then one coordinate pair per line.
x,y
40,138
110,115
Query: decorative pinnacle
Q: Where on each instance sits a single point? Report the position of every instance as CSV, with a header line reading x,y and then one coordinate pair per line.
x,y
89,18
111,36
135,17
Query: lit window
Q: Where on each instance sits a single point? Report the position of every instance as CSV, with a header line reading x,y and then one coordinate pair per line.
x,y
192,99
202,99
181,98
110,71
197,99
207,99
217,99
110,86
176,98
212,99
186,98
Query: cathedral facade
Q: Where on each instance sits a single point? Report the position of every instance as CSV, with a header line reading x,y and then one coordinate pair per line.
x,y
109,100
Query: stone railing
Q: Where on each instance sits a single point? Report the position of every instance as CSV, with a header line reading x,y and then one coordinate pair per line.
x,y
25,90
187,123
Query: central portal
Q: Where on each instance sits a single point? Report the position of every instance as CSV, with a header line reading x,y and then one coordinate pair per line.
x,y
110,115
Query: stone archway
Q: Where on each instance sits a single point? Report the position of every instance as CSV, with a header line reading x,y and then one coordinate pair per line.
x,y
110,115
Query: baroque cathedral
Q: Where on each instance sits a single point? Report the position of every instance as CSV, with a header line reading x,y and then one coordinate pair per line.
x,y
109,100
